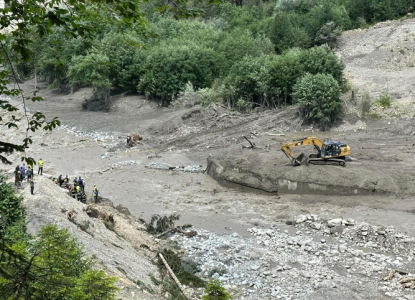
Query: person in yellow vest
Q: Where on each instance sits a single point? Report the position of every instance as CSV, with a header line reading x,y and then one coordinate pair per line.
x,y
40,170
78,188
95,193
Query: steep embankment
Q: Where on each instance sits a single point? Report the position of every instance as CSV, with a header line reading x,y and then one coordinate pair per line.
x,y
117,241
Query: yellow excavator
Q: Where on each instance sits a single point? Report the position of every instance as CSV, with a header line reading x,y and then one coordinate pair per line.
x,y
328,152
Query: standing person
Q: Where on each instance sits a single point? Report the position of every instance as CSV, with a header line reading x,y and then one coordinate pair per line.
x,y
16,174
23,171
32,186
18,179
95,193
60,180
29,173
40,170
81,183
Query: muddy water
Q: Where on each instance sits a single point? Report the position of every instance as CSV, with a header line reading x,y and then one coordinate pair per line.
x,y
198,198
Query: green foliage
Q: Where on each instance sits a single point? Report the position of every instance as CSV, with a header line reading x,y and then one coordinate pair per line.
x,y
11,207
211,95
160,224
215,291
175,263
168,69
241,43
245,86
188,97
319,98
125,55
365,105
328,34
286,33
384,100
282,75
52,266
92,69
323,60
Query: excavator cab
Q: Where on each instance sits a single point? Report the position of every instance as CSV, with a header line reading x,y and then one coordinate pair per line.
x,y
333,149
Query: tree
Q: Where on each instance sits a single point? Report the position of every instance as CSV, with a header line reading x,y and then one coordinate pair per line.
x,y
24,20
92,69
215,291
319,98
51,266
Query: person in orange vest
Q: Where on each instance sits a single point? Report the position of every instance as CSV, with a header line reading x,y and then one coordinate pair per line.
x,y
40,170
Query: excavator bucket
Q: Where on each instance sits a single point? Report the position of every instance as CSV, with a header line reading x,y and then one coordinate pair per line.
x,y
297,161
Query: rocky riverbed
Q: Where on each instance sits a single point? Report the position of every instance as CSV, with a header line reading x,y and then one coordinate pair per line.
x,y
311,258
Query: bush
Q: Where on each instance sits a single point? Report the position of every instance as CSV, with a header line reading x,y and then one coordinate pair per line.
x,y
365,105
215,291
323,60
92,69
126,56
11,207
169,68
328,34
319,98
188,97
384,100
286,33
245,86
239,44
211,95
283,73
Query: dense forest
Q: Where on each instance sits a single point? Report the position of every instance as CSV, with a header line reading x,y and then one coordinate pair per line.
x,y
245,53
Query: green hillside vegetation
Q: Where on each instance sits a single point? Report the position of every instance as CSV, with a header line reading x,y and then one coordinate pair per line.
x,y
243,53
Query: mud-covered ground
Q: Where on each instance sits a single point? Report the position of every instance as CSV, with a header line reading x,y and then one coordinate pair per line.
x,y
376,187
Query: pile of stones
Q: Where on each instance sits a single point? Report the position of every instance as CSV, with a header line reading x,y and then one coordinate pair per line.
x,y
311,258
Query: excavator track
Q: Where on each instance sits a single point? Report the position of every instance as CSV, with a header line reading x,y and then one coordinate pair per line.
x,y
321,161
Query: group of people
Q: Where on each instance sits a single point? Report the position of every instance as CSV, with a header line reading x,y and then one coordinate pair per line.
x,y
77,189
21,173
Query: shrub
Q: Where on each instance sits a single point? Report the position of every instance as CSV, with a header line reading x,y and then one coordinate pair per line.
x,y
319,98
238,44
169,68
246,83
92,69
283,72
11,207
215,291
384,100
365,105
211,95
323,60
286,33
51,266
188,97
125,56
328,34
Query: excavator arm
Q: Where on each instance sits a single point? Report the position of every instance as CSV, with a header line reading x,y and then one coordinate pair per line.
x,y
296,161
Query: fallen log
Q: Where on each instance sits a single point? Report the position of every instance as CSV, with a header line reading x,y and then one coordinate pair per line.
x,y
172,275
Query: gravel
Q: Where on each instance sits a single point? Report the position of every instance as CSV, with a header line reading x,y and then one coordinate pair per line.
x,y
305,261
165,166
